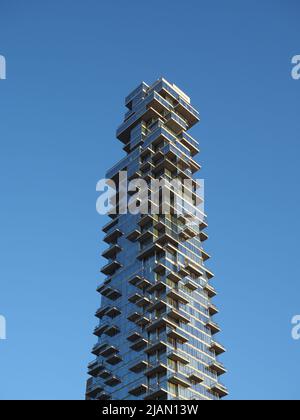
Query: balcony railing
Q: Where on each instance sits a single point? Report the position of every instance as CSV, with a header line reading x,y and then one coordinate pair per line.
x,y
213,327
219,389
138,388
217,367
111,267
93,388
217,348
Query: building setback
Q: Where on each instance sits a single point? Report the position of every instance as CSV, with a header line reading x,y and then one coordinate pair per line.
x,y
156,333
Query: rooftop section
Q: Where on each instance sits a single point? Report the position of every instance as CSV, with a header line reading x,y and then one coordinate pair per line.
x,y
143,88
160,101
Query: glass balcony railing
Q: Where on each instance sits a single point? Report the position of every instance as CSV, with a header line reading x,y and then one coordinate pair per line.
x,y
141,109
143,87
176,122
190,140
123,163
189,108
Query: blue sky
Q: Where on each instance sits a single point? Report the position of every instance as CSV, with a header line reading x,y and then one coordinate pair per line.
x,y
69,67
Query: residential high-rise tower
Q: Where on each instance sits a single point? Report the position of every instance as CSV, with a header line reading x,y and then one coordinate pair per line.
x,y
156,333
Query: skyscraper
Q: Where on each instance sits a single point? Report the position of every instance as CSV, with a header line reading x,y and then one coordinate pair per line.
x,y
156,335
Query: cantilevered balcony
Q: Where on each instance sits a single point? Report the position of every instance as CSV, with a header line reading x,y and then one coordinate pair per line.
x,y
178,356
145,219
219,389
188,112
177,295
99,329
205,255
175,123
195,377
177,314
109,292
114,359
139,344
112,251
158,304
213,326
113,380
111,238
160,322
155,345
210,290
149,250
138,365
175,153
168,237
188,232
147,234
145,114
143,320
193,267
212,309
140,90
108,310
139,318
189,142
134,297
217,348
112,312
134,316
178,378
99,348
190,283
134,335
111,267
217,367
93,388
158,286
104,374
133,235
102,311
138,388
182,271
159,367
135,279
157,392
103,395
112,330
164,164
176,334
144,283
143,302
108,350
208,274
95,367
174,276
108,226
146,166
203,236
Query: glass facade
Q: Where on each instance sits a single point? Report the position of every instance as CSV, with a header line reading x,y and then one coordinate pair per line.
x,y
156,335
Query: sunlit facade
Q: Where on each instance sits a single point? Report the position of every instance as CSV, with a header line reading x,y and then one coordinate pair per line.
x,y
155,330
